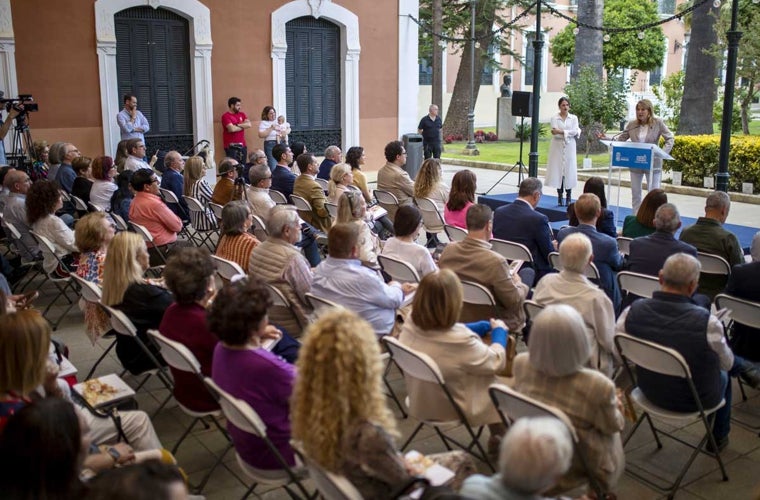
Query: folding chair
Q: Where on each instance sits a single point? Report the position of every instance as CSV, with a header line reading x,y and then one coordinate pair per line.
x,y
639,284
591,270
226,269
278,197
197,208
398,270
667,362
531,308
325,185
94,208
511,250
216,209
170,198
148,238
259,228
431,217
91,293
476,294
302,205
61,284
513,406
332,209
34,267
387,200
79,203
281,302
420,366
624,244
743,312
330,485
713,264
121,224
182,359
244,417
123,325
318,303
455,233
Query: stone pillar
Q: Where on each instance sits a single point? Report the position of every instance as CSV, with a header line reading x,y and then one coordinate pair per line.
x,y
505,122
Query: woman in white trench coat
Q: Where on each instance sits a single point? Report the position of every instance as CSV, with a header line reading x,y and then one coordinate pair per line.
x,y
561,169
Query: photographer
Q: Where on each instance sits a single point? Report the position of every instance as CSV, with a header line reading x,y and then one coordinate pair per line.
x,y
5,126
224,191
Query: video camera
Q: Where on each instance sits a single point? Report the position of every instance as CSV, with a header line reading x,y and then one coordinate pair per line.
x,y
25,100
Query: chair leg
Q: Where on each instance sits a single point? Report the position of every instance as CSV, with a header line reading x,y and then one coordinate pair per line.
x,y
391,394
101,358
741,388
411,437
199,487
443,438
184,435
654,431
161,406
249,491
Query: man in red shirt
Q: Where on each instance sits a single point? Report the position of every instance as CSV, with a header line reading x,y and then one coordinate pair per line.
x,y
234,123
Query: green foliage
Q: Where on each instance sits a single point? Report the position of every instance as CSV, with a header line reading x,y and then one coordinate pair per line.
x,y
623,50
523,131
696,157
736,118
671,93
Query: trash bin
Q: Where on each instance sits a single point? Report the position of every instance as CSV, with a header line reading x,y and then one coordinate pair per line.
x,y
414,153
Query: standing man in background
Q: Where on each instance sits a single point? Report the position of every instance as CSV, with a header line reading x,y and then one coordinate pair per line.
x,y
234,123
430,128
132,123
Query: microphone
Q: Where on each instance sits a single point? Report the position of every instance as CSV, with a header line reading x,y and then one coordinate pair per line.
x,y
629,130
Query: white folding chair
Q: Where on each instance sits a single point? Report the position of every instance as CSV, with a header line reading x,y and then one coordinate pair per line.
x,y
198,211
531,308
179,357
94,208
332,209
91,293
431,217
624,244
319,303
278,197
148,239
259,228
513,406
302,205
121,224
170,198
477,294
226,269
244,417
79,203
330,485
398,270
668,363
281,302
743,312
455,233
34,267
387,200
591,270
420,366
638,284
216,209
322,183
511,250
61,284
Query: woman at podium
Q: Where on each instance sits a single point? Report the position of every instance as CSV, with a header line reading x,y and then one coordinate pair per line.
x,y
646,128
561,169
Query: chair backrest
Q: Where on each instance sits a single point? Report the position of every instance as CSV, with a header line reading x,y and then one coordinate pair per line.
x,y
624,244
168,196
639,284
591,270
531,308
318,303
431,217
259,228
120,322
398,269
385,198
90,291
713,264
193,204
742,311
475,293
652,356
64,195
142,231
511,250
217,210
322,183
301,203
237,411
121,224
46,246
94,208
278,197
278,299
330,485
177,355
512,404
332,209
413,363
455,233
79,203
227,269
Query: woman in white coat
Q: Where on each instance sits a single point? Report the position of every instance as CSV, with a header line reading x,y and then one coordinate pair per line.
x,y
561,169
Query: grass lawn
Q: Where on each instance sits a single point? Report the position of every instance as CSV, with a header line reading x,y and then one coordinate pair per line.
x,y
508,152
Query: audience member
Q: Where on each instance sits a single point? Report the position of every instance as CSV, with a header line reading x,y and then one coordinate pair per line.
x,y
709,236
353,210
671,319
554,372
394,179
307,188
355,157
258,192
83,181
461,198
42,201
605,222
18,183
428,184
492,270
136,159
282,177
607,258
468,364
570,286
236,242
173,181
404,246
121,155
150,480
744,283
93,234
55,156
341,177
268,132
647,254
122,198
256,157
642,223
345,425
519,222
224,191
196,186
41,165
65,175
278,262
103,186
144,303
534,453
332,157
342,279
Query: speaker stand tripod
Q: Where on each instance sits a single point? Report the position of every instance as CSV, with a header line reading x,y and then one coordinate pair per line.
x,y
520,166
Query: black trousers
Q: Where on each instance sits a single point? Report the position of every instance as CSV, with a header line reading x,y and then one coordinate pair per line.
x,y
432,149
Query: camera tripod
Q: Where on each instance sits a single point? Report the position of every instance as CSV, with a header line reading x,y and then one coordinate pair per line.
x,y
23,147
520,166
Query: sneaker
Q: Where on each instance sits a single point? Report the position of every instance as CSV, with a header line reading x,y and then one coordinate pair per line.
x,y
721,442
750,374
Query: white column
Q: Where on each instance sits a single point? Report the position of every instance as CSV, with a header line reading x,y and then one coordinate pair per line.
x,y
351,100
279,97
408,71
8,79
109,98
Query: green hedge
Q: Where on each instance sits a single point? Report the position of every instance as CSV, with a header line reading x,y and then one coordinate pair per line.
x,y
696,156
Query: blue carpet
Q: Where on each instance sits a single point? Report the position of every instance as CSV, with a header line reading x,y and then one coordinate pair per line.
x,y
547,205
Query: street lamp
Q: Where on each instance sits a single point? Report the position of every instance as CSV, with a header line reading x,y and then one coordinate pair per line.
x,y
471,149
538,47
733,36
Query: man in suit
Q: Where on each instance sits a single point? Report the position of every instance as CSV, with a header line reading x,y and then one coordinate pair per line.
x,y
709,236
519,222
332,157
307,188
394,179
648,253
744,283
282,177
606,256
173,181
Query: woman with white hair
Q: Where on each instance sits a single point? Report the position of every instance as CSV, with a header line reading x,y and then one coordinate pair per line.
x,y
554,371
535,453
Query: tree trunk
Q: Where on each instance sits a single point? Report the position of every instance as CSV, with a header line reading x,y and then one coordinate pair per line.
x,y
699,87
459,107
588,43
437,58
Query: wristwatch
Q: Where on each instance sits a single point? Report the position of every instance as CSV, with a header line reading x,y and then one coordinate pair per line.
x,y
114,453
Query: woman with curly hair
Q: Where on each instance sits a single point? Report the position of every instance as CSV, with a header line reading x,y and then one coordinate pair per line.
x,y
355,157
40,167
236,243
642,224
340,415
461,198
428,183
42,201
103,186
243,367
197,187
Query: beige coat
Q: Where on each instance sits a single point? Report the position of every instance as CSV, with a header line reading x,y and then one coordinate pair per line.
x,y
468,365
307,188
394,179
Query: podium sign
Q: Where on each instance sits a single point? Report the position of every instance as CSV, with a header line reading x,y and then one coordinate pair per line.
x,y
632,157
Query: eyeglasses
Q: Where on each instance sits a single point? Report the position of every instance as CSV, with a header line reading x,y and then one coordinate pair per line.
x,y
154,181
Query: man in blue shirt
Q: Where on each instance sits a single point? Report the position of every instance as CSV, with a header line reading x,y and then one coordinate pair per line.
x,y
132,123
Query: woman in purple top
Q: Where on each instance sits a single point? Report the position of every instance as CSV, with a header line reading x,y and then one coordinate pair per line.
x,y
249,372
461,198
